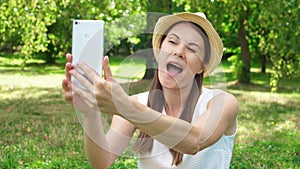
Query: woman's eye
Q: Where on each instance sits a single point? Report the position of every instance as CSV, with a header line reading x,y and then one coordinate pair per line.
x,y
172,41
192,50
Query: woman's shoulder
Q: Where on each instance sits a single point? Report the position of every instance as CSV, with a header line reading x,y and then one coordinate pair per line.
x,y
210,93
225,99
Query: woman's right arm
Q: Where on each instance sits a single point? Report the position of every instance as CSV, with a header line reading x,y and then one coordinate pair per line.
x,y
117,139
101,149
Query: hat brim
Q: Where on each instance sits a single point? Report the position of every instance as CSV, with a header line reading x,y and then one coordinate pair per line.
x,y
164,23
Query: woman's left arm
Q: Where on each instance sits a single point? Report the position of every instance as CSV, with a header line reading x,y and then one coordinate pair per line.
x,y
175,133
218,119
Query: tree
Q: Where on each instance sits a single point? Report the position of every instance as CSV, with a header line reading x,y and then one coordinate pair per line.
x,y
231,19
156,9
160,8
45,27
281,42
25,24
261,29
266,29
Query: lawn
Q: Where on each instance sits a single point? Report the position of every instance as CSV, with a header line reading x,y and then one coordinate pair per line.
x,y
39,130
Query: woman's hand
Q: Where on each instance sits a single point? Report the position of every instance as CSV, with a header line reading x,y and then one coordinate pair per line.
x,y
70,96
66,83
100,93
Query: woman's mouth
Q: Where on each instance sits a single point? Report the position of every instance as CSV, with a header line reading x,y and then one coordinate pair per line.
x,y
174,69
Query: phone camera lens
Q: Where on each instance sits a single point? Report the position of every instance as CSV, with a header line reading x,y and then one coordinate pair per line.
x,y
76,23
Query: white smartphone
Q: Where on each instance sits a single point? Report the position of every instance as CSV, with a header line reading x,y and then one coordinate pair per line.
x,y
88,44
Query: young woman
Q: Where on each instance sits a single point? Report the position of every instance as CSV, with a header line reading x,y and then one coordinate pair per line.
x,y
182,124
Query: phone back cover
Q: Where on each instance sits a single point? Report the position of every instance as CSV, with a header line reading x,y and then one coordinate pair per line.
x,y
87,43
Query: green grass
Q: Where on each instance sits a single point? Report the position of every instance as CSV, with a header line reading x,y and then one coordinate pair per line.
x,y
268,135
39,130
13,64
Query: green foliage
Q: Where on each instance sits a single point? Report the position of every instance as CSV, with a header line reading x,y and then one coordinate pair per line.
x,y
126,27
27,21
46,26
271,28
282,36
236,65
42,29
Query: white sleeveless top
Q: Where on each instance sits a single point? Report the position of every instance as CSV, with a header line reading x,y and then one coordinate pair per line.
x,y
216,156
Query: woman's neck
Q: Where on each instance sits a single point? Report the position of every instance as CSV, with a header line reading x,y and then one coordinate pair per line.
x,y
176,100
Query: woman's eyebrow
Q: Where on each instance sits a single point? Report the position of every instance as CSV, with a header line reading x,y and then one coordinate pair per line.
x,y
174,35
194,44
190,44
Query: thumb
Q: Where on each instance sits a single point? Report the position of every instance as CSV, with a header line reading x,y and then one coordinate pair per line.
x,y
106,68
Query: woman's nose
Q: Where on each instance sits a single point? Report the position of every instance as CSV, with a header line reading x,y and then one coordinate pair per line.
x,y
179,51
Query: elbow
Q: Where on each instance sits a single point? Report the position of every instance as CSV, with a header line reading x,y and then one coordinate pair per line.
x,y
192,152
192,148
196,144
192,144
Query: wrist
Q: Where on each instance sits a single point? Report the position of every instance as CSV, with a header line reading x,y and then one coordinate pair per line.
x,y
139,113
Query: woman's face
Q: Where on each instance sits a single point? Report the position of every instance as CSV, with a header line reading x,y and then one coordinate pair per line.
x,y
179,59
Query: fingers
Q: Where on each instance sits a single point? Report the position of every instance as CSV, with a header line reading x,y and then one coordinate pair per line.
x,y
85,96
66,85
106,68
69,57
79,91
83,79
89,74
68,68
68,97
68,65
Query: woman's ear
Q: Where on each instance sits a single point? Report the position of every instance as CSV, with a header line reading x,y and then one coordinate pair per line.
x,y
202,68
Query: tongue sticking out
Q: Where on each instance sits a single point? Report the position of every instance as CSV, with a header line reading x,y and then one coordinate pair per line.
x,y
173,69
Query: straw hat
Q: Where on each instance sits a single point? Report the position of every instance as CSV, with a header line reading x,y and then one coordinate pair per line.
x,y
165,22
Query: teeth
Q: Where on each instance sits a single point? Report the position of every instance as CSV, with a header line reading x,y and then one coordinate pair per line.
x,y
176,65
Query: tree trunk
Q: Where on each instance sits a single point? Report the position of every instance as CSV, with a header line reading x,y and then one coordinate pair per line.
x,y
150,66
50,54
244,75
263,63
159,6
149,73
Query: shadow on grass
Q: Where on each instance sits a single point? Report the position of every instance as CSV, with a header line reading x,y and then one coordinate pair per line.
x,y
33,69
14,64
261,82
36,125
32,101
282,88
268,135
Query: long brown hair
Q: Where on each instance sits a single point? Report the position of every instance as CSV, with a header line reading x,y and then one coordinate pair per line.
x,y
157,101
